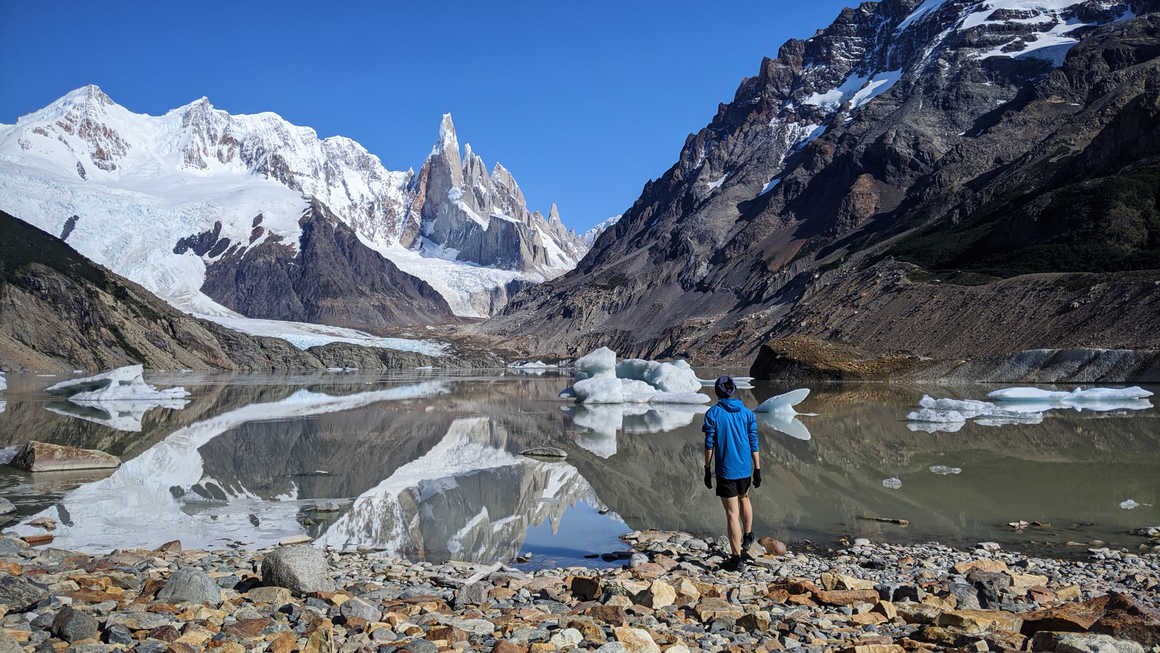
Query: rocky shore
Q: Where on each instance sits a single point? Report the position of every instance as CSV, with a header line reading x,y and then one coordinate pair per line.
x,y
667,596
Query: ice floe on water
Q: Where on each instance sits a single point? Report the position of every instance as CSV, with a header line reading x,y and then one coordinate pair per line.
x,y
1022,405
118,399
3,382
146,501
892,483
783,403
943,470
1026,399
601,380
1129,504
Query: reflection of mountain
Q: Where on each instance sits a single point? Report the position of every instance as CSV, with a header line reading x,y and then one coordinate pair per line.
x,y
146,501
468,497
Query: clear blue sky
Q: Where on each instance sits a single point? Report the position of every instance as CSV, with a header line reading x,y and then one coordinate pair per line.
x,y
583,102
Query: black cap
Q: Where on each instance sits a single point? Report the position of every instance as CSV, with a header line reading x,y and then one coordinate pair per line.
x,y
724,387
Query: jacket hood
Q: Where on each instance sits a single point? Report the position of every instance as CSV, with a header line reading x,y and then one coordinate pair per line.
x,y
732,405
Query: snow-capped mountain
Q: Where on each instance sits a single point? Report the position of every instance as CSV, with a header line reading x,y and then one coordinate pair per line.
x,y
592,234
134,191
954,134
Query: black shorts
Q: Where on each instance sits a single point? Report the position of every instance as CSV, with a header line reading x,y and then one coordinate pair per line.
x,y
732,487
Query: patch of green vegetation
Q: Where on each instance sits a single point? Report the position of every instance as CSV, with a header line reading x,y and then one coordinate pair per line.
x,y
1099,225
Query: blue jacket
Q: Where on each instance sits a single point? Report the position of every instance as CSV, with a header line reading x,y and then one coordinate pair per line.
x,y
731,432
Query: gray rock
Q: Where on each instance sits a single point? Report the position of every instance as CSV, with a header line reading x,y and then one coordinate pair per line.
x,y
191,586
473,594
1082,643
73,625
20,594
6,506
151,646
139,620
117,634
356,607
9,645
421,646
636,560
612,647
302,569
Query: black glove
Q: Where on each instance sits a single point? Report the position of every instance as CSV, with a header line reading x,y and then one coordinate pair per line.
x,y
708,477
757,477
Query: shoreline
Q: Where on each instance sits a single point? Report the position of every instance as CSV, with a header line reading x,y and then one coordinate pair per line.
x,y
669,595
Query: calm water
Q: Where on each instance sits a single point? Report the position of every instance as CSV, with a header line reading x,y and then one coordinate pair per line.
x,y
429,466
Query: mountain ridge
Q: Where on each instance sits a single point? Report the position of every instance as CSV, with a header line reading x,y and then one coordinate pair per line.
x,y
98,153
829,158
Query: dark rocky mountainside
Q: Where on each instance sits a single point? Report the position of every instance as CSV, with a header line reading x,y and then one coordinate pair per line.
x,y
330,278
959,151
59,311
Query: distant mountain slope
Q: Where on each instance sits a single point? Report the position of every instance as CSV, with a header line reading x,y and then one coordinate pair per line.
x,y
60,311
975,139
128,189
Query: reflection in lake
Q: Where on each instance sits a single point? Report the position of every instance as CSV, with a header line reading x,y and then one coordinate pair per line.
x,y
429,466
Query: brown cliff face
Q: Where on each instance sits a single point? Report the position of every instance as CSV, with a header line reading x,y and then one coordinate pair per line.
x,y
59,312
332,278
974,168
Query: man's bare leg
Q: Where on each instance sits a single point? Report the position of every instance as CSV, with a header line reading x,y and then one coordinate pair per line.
x,y
732,523
746,513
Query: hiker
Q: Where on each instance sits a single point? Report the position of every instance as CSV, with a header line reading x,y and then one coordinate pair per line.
x,y
731,440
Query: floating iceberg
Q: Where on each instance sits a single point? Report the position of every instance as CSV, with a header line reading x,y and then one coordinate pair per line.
x,y
1077,396
943,470
600,380
532,365
783,403
936,427
117,399
892,483
945,413
3,382
1129,504
121,384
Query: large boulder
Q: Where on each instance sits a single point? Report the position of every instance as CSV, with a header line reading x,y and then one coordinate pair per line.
x,y
301,569
73,625
191,586
20,594
44,457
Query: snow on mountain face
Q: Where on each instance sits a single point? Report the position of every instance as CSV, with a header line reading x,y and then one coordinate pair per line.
x,y
592,234
125,189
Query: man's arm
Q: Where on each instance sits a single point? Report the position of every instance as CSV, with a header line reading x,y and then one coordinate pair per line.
x,y
710,429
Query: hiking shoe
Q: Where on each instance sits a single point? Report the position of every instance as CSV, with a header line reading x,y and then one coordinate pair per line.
x,y
734,563
746,540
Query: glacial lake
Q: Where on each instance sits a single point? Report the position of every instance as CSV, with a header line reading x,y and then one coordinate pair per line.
x,y
428,465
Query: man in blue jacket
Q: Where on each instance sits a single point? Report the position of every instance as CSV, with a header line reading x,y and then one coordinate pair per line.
x,y
731,441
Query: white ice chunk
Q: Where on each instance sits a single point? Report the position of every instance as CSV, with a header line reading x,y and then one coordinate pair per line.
x,y
666,377
1078,395
117,399
599,363
3,382
1129,504
943,470
784,402
122,384
892,483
